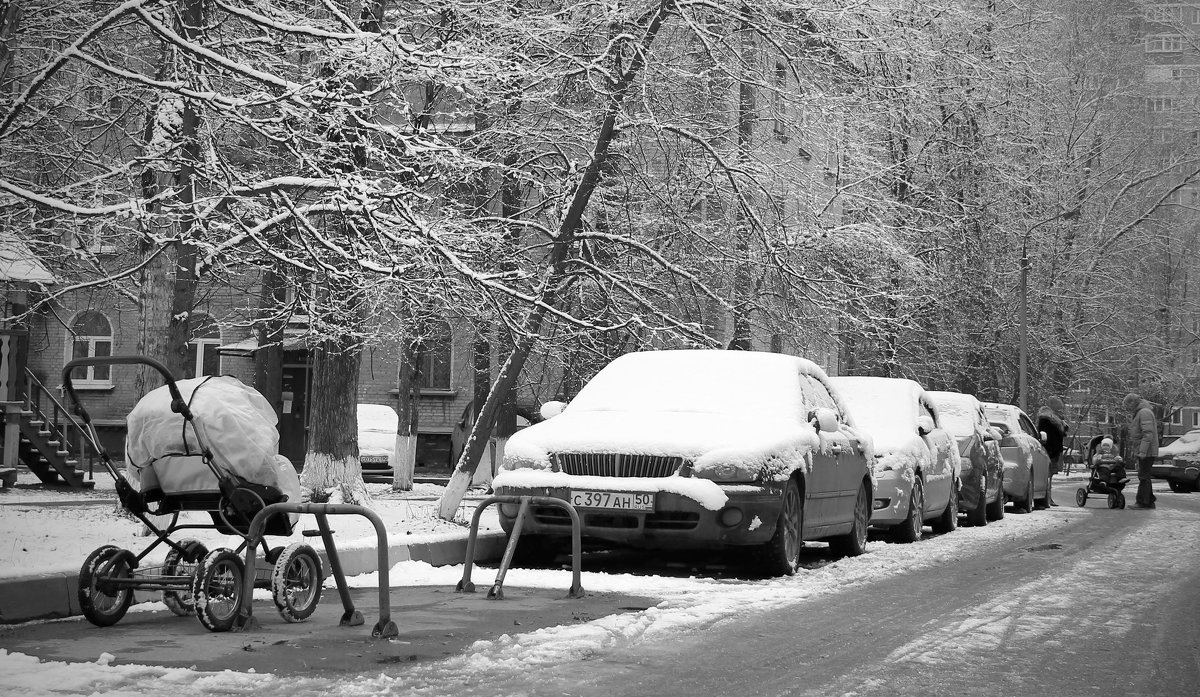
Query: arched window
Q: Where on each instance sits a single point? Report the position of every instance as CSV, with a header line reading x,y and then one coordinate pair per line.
x,y
91,336
203,358
434,354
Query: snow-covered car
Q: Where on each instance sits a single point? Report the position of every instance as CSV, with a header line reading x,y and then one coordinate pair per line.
x,y
981,468
916,460
1178,462
1026,462
376,439
697,450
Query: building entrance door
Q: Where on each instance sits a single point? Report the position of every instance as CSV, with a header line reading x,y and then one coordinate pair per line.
x,y
293,414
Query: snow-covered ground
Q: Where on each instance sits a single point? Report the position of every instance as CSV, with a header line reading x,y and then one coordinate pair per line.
x,y
685,604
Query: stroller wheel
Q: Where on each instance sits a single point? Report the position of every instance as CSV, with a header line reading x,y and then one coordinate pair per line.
x,y
1120,500
1112,501
183,568
217,589
1080,496
296,582
103,603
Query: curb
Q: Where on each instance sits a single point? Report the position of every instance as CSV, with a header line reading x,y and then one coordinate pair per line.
x,y
56,595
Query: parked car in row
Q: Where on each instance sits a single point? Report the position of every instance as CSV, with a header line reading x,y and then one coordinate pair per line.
x,y
981,468
725,450
1178,462
1026,463
916,460
376,441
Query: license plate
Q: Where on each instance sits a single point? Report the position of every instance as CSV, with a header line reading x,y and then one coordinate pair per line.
x,y
618,500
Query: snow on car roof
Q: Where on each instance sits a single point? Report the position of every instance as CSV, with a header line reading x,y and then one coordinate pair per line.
x,y
1187,443
885,407
716,382
377,417
1006,414
957,411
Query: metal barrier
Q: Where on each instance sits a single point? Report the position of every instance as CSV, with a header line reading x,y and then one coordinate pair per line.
x,y
385,627
497,590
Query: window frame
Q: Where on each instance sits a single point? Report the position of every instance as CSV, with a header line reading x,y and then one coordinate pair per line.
x,y
89,379
203,345
425,358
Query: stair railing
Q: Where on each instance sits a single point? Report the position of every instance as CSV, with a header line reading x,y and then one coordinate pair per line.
x,y
72,437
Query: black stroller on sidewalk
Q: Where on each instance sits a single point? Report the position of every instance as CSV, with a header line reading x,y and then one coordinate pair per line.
x,y
1107,478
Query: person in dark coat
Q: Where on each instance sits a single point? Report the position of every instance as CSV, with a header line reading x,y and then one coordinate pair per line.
x,y
1050,421
1143,445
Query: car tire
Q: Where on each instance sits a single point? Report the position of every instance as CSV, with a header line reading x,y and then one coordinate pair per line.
x,y
537,551
1026,504
1044,502
910,530
780,556
948,520
978,515
1179,487
995,509
854,542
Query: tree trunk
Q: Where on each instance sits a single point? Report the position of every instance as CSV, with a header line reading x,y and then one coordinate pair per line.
x,y
268,331
332,472
554,278
403,459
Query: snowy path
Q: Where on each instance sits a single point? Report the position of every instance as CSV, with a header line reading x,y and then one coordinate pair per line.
x,y
1024,606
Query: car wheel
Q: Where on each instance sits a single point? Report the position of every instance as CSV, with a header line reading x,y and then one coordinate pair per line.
x,y
910,529
995,509
1026,504
1178,487
781,554
1044,502
978,515
537,551
948,520
854,542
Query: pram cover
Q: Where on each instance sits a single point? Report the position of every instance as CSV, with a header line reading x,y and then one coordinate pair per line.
x,y
231,419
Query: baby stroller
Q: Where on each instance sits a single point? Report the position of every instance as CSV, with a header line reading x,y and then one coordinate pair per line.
x,y
1106,478
207,445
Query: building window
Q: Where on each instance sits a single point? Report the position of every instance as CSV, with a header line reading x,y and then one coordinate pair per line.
x,y
433,357
1164,43
1166,14
1160,104
1196,419
91,337
203,358
1177,417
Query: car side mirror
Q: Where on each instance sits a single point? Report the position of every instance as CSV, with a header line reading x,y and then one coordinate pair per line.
x,y
552,409
925,425
826,419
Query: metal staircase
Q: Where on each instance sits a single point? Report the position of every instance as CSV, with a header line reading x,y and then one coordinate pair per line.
x,y
53,445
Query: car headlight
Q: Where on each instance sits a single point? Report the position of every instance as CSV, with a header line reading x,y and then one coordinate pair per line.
x,y
725,472
526,458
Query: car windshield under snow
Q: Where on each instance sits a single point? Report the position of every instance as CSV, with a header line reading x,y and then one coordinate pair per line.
x,y
737,383
957,418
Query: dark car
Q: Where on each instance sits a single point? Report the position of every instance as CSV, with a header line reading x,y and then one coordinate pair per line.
x,y
981,467
702,450
1179,463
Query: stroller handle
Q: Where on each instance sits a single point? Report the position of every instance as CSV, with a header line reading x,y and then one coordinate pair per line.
x,y
177,404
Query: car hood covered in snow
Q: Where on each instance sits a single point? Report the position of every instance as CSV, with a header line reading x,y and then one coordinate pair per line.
x,y
1187,445
700,437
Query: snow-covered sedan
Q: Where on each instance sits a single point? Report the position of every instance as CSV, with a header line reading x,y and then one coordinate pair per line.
x,y
1026,463
376,440
1179,463
981,468
916,460
697,450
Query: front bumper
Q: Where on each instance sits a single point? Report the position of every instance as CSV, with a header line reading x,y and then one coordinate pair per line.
x,y
677,522
1184,472
893,489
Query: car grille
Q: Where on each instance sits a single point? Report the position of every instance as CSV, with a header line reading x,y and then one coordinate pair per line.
x,y
617,464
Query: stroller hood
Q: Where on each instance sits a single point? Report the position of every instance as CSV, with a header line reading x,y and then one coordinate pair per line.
x,y
232,420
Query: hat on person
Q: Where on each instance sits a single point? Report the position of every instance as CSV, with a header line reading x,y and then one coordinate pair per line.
x,y
1056,403
1131,400
1106,443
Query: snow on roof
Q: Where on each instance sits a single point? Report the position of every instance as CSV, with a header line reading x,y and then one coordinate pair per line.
x,y
715,382
885,407
18,263
957,411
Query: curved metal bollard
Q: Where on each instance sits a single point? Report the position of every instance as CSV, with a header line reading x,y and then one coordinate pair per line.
x,y
497,590
385,627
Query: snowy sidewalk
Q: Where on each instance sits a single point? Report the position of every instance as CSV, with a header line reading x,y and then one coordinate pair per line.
x,y
48,532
